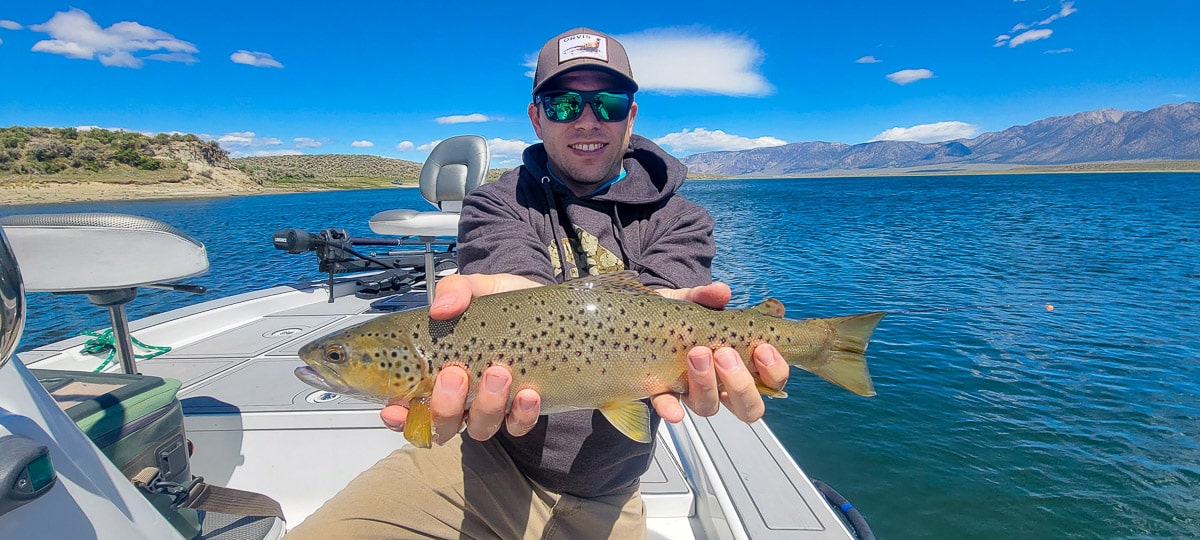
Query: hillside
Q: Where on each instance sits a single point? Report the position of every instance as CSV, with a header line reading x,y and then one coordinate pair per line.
x,y
329,170
1163,138
39,164
42,163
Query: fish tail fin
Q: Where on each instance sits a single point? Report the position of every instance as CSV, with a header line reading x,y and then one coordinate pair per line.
x,y
843,363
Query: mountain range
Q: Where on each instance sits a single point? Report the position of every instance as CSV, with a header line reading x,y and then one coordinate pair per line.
x,y
1169,132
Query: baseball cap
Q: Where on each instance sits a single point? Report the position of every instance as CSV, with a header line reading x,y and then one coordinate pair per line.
x,y
582,48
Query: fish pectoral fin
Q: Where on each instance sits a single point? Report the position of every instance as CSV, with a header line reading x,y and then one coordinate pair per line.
x,y
631,418
768,391
418,428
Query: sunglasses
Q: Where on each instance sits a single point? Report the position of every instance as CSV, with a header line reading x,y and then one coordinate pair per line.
x,y
567,105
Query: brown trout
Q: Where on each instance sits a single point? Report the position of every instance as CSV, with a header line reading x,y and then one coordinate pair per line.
x,y
601,342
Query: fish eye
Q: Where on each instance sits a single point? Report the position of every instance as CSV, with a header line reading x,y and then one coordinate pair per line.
x,y
335,354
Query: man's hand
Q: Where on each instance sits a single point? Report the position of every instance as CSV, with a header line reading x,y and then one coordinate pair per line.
x,y
447,405
707,367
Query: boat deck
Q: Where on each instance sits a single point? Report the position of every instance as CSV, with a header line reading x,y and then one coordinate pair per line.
x,y
255,426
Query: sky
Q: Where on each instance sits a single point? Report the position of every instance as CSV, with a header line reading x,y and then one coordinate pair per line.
x,y
394,78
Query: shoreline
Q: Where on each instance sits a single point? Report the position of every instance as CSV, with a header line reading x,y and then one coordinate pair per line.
x,y
63,193
48,193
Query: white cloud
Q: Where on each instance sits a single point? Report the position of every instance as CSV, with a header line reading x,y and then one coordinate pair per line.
x,y
10,25
927,133
462,118
907,76
506,151
1032,35
306,142
427,147
254,58
1060,51
362,144
76,35
1065,9
693,60
1,42
263,153
868,60
1030,32
248,139
692,141
405,146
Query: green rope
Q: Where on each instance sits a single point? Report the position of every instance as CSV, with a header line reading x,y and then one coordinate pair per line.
x,y
103,341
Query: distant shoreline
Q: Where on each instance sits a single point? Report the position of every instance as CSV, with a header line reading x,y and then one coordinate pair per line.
x,y
50,192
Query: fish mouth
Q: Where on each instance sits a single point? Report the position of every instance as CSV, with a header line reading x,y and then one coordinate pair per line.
x,y
323,380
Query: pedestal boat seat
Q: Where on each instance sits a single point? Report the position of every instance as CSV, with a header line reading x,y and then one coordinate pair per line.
x,y
106,257
455,167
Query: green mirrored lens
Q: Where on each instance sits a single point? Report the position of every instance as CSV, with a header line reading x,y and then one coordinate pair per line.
x,y
563,107
611,107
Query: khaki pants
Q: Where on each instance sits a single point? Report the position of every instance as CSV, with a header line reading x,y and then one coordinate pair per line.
x,y
461,492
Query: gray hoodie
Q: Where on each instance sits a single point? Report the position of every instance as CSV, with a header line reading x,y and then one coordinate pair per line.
x,y
529,224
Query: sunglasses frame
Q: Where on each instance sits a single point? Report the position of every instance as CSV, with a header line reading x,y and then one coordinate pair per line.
x,y
585,97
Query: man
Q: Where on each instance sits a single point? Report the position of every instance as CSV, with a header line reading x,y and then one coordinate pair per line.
x,y
591,198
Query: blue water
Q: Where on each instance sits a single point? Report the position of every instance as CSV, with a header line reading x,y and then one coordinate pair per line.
x,y
1008,421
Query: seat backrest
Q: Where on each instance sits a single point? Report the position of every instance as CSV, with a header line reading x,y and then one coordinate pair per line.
x,y
83,252
455,167
12,301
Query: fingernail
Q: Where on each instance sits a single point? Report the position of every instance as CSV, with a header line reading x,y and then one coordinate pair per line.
x,y
493,382
699,362
726,359
446,301
525,404
451,383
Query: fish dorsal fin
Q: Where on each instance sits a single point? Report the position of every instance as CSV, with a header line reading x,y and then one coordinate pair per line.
x,y
623,282
632,418
770,307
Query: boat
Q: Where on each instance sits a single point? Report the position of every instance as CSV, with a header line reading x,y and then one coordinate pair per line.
x,y
221,427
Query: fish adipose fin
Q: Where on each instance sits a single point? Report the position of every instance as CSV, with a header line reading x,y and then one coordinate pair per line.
x,y
623,282
632,418
770,307
418,427
843,362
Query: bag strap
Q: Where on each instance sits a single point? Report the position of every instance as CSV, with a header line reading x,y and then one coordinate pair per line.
x,y
198,495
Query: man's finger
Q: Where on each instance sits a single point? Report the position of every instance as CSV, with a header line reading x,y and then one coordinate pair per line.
x,y
702,397
741,395
526,407
491,400
446,403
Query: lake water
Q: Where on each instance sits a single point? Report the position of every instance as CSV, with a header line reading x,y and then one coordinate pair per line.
x,y
996,418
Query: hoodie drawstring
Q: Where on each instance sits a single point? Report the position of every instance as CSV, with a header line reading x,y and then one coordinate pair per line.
x,y
555,226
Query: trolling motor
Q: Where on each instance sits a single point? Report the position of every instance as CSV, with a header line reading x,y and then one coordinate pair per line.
x,y
335,251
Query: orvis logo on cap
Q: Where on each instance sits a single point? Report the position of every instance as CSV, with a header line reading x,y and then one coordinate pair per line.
x,y
582,46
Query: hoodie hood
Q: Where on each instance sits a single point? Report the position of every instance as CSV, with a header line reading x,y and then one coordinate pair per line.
x,y
651,174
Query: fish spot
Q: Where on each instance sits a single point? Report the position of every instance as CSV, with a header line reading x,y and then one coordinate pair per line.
x,y
522,371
